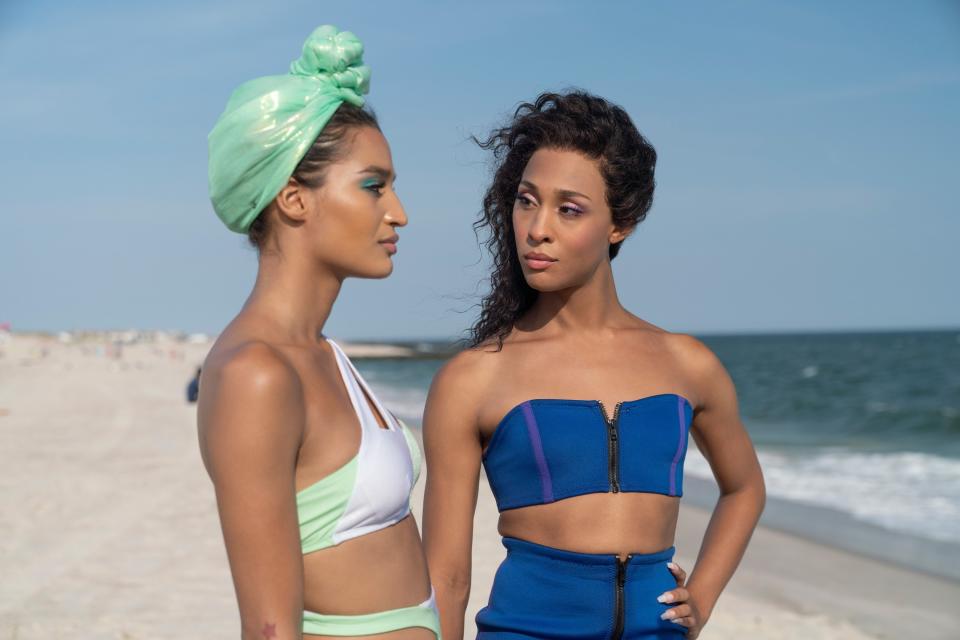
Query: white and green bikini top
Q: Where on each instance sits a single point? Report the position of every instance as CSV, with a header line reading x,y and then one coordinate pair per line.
x,y
372,490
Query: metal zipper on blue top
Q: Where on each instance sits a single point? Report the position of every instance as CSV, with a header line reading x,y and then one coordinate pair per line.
x,y
613,453
620,598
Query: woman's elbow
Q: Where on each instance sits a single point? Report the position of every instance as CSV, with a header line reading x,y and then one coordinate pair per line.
x,y
454,582
761,491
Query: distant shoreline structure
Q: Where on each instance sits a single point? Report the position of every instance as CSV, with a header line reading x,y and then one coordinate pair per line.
x,y
370,349
426,348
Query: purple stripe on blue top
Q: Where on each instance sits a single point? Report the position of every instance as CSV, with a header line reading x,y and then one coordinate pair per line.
x,y
676,456
534,432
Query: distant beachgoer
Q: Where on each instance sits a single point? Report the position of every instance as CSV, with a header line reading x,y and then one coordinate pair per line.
x,y
312,474
579,410
193,388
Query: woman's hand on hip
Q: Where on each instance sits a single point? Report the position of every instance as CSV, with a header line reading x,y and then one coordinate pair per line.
x,y
684,610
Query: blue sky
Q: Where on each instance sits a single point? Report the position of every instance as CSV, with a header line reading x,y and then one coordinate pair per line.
x,y
805,155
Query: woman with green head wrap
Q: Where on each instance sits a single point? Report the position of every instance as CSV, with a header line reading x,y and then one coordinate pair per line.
x,y
312,474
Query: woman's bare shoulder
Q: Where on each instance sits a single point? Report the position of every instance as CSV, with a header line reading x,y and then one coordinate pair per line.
x,y
464,381
249,363
691,352
249,384
469,367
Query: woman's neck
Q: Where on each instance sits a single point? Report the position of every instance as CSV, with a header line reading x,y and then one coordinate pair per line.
x,y
294,295
591,307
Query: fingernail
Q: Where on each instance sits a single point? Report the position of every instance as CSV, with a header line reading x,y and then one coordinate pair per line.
x,y
667,615
672,565
665,597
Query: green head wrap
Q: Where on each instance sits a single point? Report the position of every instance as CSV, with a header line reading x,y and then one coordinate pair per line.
x,y
270,122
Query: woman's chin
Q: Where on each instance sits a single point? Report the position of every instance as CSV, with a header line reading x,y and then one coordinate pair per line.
x,y
378,271
541,281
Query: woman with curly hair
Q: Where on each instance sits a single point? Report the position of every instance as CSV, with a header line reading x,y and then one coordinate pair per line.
x,y
312,474
578,410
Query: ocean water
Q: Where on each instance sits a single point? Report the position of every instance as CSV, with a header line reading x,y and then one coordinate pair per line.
x,y
867,424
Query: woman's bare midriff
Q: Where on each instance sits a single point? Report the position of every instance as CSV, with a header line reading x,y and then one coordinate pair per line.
x,y
376,572
620,523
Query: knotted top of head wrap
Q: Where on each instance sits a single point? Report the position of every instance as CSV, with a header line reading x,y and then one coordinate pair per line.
x,y
270,122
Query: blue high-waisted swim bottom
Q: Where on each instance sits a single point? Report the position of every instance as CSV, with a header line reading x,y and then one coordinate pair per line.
x,y
542,592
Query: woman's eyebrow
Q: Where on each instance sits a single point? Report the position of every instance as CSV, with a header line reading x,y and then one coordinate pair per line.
x,y
380,172
567,193
562,193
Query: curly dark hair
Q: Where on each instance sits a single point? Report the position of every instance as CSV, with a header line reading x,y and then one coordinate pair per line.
x,y
576,121
329,147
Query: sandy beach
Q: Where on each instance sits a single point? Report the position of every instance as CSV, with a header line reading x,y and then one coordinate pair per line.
x,y
109,528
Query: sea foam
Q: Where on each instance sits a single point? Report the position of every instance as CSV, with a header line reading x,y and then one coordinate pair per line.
x,y
917,493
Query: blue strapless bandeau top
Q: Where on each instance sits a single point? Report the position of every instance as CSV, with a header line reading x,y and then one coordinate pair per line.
x,y
547,450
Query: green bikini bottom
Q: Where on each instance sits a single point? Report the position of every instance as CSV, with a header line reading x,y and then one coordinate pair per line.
x,y
421,615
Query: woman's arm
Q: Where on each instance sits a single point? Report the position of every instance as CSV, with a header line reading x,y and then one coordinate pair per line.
x,y
251,419
453,448
723,441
